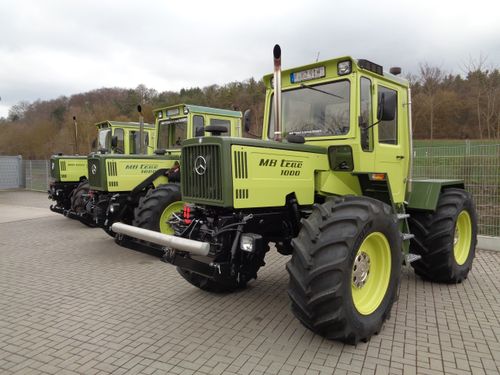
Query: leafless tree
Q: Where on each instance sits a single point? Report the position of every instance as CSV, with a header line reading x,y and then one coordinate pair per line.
x,y
431,78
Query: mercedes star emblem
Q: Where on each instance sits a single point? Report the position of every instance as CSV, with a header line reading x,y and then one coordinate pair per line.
x,y
200,165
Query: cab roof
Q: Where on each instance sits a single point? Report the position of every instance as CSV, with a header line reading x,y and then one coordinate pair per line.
x,y
201,109
331,72
129,124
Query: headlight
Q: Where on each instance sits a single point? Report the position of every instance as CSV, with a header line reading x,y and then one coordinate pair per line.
x,y
250,242
343,68
113,207
52,165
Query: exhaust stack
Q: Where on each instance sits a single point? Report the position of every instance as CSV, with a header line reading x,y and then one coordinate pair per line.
x,y
75,123
277,92
141,130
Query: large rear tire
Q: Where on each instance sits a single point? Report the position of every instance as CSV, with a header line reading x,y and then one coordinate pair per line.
x,y
345,268
446,238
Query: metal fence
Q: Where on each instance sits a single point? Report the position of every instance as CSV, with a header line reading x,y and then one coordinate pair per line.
x,y
11,172
477,164
36,174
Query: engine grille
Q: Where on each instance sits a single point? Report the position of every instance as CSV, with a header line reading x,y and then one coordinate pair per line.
x,y
197,183
94,173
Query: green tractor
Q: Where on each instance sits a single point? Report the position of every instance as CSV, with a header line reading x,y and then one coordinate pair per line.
x,y
330,185
121,186
69,177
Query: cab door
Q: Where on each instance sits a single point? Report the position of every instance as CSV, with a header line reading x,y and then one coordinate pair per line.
x,y
392,152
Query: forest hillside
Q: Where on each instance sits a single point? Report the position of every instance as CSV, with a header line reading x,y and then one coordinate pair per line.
x,y
445,106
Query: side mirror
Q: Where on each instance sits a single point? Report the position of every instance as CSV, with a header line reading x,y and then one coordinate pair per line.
x,y
387,106
160,151
114,141
247,117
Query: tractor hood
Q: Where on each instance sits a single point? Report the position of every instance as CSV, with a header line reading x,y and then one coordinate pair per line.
x,y
114,173
239,172
68,168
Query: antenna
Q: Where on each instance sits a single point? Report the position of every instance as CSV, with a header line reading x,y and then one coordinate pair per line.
x,y
317,56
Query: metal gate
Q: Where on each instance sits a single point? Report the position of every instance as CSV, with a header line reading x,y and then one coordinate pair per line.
x,y
10,172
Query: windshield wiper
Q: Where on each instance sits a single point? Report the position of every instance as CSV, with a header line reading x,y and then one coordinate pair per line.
x,y
324,92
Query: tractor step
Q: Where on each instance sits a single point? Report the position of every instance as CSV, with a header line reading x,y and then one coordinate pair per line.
x,y
407,236
412,257
403,216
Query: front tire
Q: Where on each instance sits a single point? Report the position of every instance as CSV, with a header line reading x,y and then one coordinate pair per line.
x,y
230,283
345,268
209,285
77,199
446,238
79,202
157,206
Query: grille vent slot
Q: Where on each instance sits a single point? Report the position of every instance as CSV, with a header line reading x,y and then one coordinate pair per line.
x,y
241,193
63,165
112,169
240,165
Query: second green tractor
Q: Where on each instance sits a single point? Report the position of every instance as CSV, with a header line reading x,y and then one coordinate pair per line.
x,y
144,190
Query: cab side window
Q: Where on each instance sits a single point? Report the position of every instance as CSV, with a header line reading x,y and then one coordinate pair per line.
x,y
120,141
388,130
365,115
198,126
225,123
133,142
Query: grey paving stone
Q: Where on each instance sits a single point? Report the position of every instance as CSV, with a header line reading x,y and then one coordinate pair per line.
x,y
73,302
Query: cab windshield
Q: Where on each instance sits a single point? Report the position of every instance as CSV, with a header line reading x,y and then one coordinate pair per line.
x,y
171,133
314,111
104,139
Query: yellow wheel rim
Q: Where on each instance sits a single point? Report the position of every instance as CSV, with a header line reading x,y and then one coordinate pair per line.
x,y
463,238
165,227
371,272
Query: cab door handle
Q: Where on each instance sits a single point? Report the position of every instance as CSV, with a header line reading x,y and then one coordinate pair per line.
x,y
400,157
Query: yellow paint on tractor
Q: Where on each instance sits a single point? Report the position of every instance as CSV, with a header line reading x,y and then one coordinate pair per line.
x,y
125,174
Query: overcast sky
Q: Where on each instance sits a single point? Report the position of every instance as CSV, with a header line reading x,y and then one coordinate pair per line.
x,y
51,48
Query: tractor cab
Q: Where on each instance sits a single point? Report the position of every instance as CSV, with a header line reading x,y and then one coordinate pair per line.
x,y
358,113
118,137
181,122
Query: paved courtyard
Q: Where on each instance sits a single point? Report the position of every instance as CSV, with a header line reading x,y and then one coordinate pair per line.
x,y
73,302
